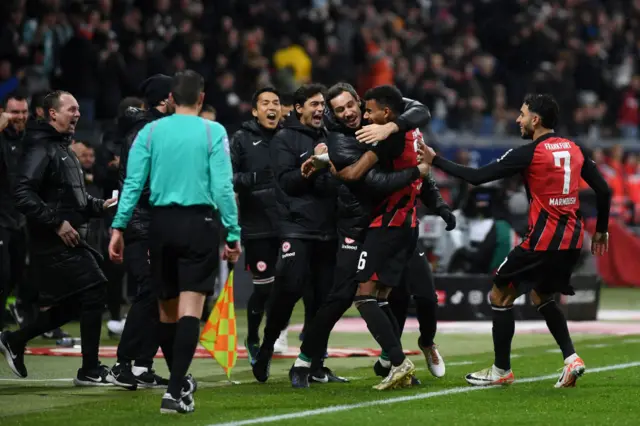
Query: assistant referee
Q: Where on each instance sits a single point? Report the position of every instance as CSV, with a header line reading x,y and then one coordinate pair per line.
x,y
186,159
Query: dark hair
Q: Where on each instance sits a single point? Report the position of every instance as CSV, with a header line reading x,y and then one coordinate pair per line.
x,y
386,96
186,87
17,95
545,106
338,88
286,99
208,108
129,102
307,91
256,95
52,101
85,143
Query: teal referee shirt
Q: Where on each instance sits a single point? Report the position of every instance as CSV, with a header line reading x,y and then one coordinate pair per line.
x,y
187,161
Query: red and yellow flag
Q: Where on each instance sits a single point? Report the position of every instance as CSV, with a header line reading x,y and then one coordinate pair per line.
x,y
220,336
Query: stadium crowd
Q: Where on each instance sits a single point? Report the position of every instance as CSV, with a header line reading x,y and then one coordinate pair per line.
x,y
469,62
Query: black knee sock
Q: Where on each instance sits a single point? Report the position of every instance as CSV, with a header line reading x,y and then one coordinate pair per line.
x,y
90,328
503,328
380,327
426,312
186,341
557,324
386,308
399,305
255,310
45,321
166,339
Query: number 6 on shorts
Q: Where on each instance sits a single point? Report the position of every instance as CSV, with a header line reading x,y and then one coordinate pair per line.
x,y
362,261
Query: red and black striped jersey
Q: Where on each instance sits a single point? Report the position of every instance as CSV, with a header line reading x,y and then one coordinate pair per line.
x,y
397,153
552,168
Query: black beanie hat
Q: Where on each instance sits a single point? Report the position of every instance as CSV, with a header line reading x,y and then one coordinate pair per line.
x,y
156,89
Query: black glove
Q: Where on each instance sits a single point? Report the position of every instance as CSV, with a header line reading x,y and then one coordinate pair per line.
x,y
450,219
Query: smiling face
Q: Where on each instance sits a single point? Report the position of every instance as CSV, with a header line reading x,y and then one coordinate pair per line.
x,y
65,118
312,111
347,110
268,110
376,113
19,109
527,122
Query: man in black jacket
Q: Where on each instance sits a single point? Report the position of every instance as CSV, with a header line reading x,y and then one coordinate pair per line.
x,y
13,243
354,213
306,212
140,338
255,188
50,192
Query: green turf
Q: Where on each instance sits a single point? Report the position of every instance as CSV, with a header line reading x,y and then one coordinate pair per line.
x,y
600,398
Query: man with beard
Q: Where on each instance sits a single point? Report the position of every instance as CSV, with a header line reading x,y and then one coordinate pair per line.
x,y
355,205
306,211
552,168
50,192
254,185
13,242
142,330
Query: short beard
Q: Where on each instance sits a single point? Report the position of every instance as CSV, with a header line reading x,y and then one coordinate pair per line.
x,y
527,134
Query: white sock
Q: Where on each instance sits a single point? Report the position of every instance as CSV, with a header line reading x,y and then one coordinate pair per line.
x,y
568,360
138,370
499,371
301,363
385,363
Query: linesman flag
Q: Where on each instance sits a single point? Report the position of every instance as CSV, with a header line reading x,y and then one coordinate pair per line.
x,y
220,336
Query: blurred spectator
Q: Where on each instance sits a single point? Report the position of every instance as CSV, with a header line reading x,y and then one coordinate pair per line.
x,y
208,112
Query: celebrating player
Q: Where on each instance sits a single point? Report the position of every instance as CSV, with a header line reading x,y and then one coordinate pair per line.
x,y
552,167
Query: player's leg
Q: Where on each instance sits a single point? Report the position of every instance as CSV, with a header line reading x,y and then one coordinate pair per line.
x,y
381,265
422,288
323,268
292,273
138,343
519,266
562,264
338,301
260,261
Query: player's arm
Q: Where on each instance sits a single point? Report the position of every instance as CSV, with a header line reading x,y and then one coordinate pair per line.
x,y
415,115
138,166
512,162
221,183
31,172
594,179
242,181
285,163
357,170
349,162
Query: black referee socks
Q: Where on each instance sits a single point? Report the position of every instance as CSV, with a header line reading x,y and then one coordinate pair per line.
x,y
380,328
557,324
184,347
504,326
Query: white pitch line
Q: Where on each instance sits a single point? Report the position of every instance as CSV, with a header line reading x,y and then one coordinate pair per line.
x,y
452,391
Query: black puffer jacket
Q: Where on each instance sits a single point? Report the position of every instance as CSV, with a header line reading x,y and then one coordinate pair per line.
x,y
253,180
50,189
10,151
129,124
306,207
